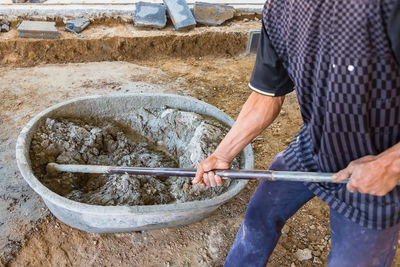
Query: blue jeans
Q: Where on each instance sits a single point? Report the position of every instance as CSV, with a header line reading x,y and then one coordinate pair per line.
x,y
273,203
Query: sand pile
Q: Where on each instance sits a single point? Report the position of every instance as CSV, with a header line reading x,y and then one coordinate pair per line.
x,y
161,138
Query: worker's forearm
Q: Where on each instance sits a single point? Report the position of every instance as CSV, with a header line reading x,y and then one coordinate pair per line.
x,y
257,113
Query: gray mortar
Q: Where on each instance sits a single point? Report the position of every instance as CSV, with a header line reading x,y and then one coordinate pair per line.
x,y
73,141
103,219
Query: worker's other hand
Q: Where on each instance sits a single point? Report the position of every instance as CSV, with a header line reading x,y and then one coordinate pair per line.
x,y
373,175
205,176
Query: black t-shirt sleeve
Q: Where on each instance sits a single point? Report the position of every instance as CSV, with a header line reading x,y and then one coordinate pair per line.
x,y
269,77
393,29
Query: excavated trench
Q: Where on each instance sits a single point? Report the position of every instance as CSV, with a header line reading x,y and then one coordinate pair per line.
x,y
123,42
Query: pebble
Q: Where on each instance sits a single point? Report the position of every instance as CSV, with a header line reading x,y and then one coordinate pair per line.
x,y
316,253
292,265
245,19
317,260
303,254
285,229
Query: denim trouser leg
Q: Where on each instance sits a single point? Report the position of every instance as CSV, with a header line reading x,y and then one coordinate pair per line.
x,y
271,205
356,246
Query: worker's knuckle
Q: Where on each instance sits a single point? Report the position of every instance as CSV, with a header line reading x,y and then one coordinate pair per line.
x,y
206,166
354,182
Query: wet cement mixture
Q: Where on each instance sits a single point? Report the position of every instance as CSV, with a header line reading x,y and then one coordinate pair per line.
x,y
111,143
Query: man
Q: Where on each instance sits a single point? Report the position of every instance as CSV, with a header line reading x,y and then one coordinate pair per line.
x,y
343,59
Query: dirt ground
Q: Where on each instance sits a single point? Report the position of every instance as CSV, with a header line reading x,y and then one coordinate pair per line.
x,y
123,42
219,81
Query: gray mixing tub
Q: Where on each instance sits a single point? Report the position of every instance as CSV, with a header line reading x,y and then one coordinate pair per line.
x,y
107,219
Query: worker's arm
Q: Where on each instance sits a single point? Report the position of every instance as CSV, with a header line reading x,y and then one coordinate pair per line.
x,y
375,175
257,113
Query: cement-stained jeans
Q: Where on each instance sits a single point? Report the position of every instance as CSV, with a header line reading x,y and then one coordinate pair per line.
x,y
273,203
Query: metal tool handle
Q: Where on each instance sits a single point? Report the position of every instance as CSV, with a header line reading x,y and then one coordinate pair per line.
x,y
232,174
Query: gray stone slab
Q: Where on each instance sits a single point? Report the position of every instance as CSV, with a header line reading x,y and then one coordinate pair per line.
x,y
4,21
252,44
77,25
212,14
5,28
38,29
180,14
150,15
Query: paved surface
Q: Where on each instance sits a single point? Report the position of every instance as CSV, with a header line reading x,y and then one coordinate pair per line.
x,y
41,11
124,12
231,2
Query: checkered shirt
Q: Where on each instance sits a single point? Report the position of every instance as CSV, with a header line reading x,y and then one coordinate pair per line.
x,y
339,57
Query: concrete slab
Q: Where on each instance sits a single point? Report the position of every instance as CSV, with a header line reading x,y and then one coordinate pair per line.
x,y
105,2
38,29
4,28
212,14
150,15
30,11
252,44
180,14
124,12
77,25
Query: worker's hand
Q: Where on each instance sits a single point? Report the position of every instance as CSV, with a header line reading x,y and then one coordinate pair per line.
x,y
373,175
205,176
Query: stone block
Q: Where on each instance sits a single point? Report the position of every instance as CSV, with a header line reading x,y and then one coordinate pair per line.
x,y
150,15
77,25
38,29
5,28
252,44
212,14
4,21
180,14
